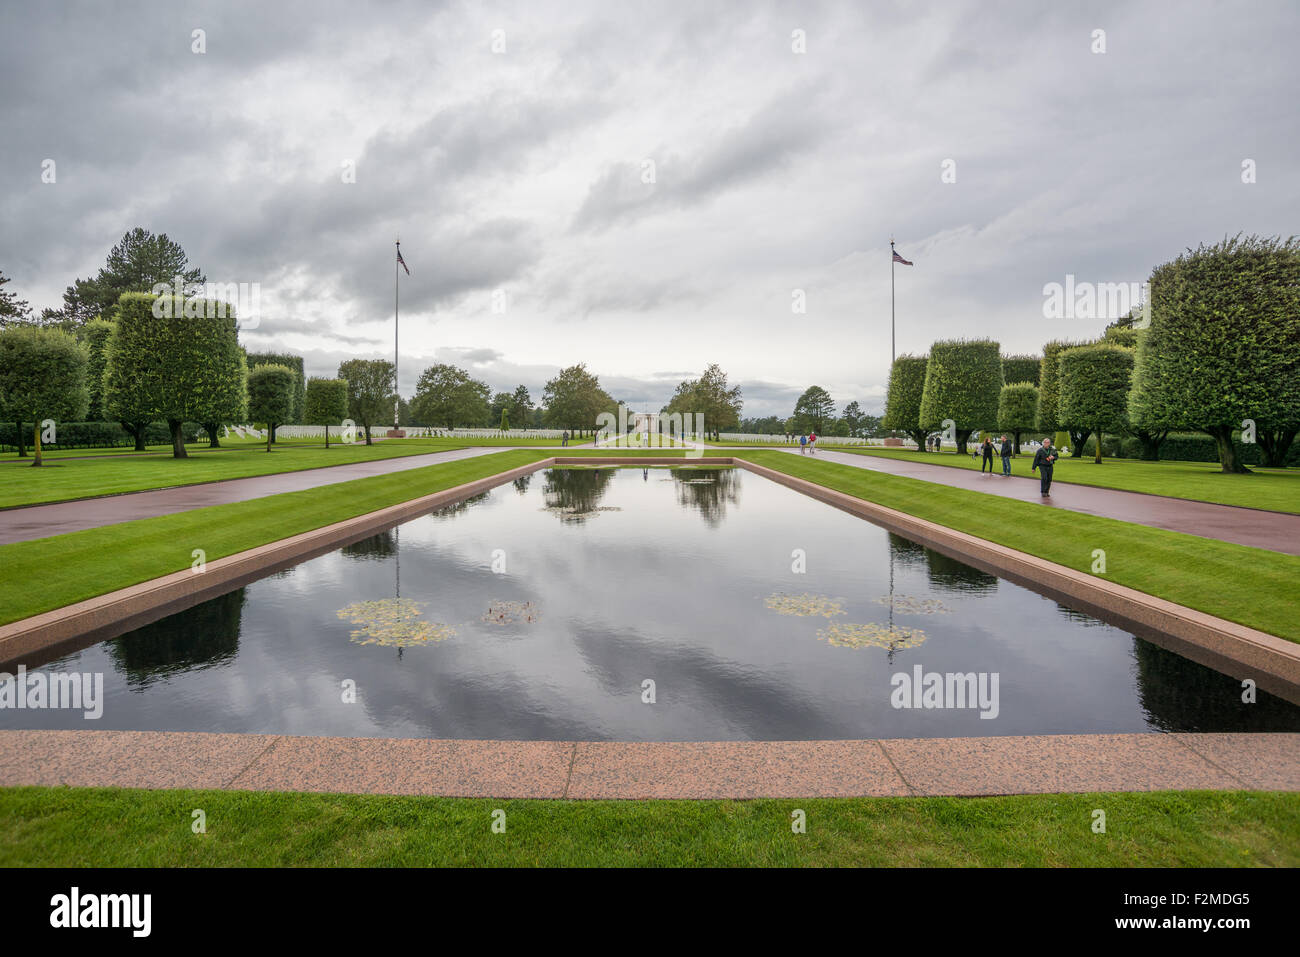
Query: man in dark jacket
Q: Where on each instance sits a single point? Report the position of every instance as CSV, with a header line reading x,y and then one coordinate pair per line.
x,y
1044,459
1006,455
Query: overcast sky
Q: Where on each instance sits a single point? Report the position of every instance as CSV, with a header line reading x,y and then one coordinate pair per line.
x,y
522,171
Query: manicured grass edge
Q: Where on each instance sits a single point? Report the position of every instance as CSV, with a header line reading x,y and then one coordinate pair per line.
x,y
111,827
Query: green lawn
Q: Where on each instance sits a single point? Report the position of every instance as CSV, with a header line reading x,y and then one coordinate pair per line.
x,y
1248,585
80,565
83,827
72,478
1277,490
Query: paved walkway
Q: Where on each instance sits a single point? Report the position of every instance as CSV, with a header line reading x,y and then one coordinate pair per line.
x,y
1032,764
59,518
1276,531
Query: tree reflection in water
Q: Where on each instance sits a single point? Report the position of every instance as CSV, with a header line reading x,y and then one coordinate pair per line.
x,y
200,637
945,574
1181,695
574,494
707,491
375,548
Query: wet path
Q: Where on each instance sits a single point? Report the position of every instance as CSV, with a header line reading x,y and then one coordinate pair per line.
x,y
1276,531
59,518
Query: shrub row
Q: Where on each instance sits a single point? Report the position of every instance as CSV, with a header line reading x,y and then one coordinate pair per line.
x,y
94,435
1183,447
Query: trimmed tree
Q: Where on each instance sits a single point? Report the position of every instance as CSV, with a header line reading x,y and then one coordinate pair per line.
x,y
903,403
96,334
1047,418
294,363
370,390
270,396
963,380
449,396
1017,408
1021,369
325,401
1094,382
175,359
1225,321
1150,419
42,376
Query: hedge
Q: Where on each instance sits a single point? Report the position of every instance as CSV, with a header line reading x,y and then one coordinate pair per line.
x,y
94,435
1184,447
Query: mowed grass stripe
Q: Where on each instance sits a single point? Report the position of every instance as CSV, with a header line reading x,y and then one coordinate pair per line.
x,y
92,827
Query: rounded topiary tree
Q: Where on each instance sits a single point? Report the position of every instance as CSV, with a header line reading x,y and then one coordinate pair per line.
x,y
1150,417
42,376
295,364
1017,408
271,391
1021,369
1047,418
326,401
962,382
1094,390
174,359
1222,350
903,402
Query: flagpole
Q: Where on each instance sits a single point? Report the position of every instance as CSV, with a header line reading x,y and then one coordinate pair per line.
x,y
891,302
397,392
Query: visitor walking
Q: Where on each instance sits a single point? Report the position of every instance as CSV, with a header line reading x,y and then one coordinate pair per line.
x,y
564,439
1006,455
987,448
803,443
812,443
1044,459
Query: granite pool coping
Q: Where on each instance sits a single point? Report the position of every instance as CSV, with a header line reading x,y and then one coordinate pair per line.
x,y
614,770
1235,649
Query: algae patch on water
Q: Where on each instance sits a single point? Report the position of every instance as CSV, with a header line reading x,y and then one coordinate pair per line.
x,y
805,605
870,635
393,622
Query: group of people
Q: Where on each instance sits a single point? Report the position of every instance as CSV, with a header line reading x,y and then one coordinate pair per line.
x,y
808,444
1044,459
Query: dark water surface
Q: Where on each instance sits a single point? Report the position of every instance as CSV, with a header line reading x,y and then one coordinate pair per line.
x,y
607,578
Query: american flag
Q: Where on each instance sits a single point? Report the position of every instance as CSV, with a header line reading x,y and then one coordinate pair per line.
x,y
408,272
900,259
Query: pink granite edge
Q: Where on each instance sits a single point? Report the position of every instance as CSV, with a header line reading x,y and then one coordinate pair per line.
x,y
1028,764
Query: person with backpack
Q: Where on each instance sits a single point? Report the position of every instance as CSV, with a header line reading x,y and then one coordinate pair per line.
x,y
812,443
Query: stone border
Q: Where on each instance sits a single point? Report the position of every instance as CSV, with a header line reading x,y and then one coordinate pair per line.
x,y
622,770
84,623
1235,649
